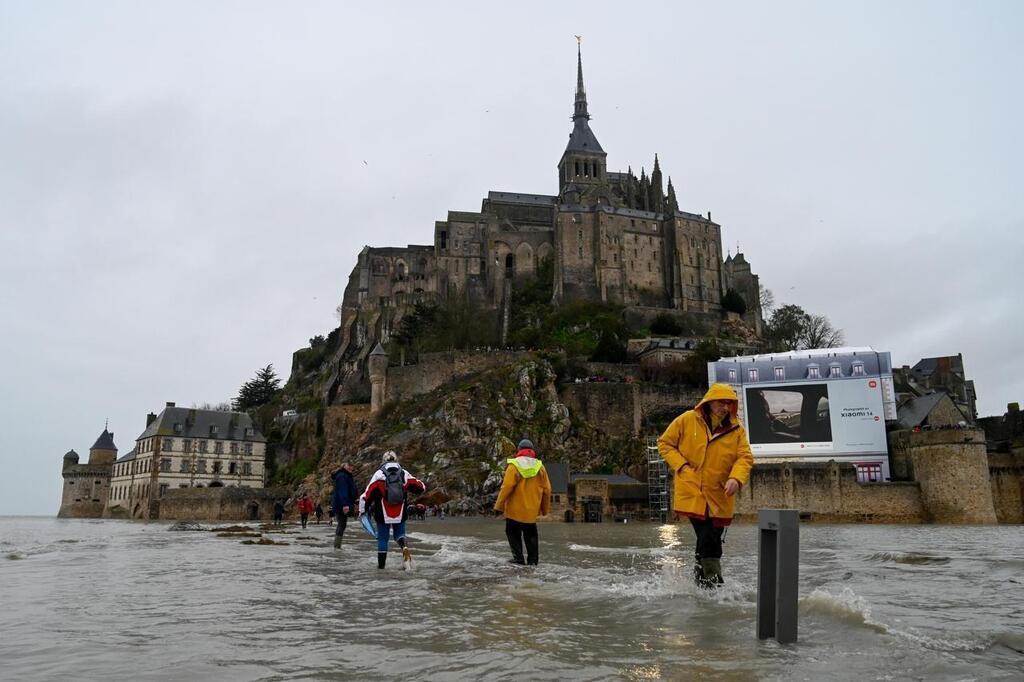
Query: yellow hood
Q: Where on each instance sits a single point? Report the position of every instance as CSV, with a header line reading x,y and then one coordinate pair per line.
x,y
719,392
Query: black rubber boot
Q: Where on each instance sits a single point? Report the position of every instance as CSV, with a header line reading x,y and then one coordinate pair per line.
x,y
712,570
698,571
337,542
382,558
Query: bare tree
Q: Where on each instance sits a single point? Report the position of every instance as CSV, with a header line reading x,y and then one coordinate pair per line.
x,y
213,407
767,301
818,332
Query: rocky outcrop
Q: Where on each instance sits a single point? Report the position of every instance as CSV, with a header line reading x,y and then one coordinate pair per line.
x,y
457,438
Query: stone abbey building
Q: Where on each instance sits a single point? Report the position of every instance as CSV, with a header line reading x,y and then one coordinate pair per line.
x,y
610,236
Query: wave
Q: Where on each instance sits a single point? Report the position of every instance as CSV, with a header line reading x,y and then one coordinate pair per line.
x,y
911,558
846,606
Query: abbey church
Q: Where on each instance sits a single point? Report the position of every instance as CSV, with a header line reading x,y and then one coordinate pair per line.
x,y
610,237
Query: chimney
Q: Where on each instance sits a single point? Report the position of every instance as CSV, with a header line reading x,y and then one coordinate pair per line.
x,y
150,418
709,216
170,404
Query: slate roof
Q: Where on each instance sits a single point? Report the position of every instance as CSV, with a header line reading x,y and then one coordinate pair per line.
x,y
582,138
127,457
558,474
104,442
913,412
521,198
197,423
613,479
71,454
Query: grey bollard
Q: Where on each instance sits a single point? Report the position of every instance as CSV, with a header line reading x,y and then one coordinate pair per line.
x,y
778,563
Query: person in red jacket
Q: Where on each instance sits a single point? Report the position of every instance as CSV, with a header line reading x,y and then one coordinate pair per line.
x,y
305,508
386,497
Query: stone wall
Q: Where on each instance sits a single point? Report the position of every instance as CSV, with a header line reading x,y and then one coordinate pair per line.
x,y
436,369
951,466
618,408
829,492
607,406
85,491
220,504
1006,476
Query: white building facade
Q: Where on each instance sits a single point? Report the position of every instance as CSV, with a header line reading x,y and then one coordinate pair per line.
x,y
186,448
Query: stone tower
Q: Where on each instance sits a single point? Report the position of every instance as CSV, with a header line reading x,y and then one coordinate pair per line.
x,y
87,486
103,451
584,162
377,363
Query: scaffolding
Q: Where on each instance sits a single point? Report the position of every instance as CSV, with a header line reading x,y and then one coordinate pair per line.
x,y
657,482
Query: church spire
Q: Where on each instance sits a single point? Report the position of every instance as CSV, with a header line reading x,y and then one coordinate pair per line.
x,y
580,110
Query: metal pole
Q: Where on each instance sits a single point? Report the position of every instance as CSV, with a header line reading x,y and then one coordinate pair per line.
x,y
778,561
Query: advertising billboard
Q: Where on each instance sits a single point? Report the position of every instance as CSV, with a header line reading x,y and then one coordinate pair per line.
x,y
834,417
828,403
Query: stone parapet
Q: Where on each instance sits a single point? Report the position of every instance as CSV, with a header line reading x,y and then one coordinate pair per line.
x,y
220,504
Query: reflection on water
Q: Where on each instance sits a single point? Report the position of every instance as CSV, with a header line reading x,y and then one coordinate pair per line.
x,y
117,600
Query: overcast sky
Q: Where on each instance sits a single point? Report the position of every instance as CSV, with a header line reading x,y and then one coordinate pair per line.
x,y
184,186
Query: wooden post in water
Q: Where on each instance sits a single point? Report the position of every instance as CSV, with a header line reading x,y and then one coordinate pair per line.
x,y
778,563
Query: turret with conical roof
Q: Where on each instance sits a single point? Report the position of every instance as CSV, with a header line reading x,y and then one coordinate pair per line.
x,y
584,162
103,451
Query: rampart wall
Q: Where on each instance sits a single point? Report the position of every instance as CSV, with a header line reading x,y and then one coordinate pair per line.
x,y
436,369
829,492
220,504
1006,477
620,408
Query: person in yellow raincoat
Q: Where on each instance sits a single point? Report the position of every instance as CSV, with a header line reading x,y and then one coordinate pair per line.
x,y
707,451
525,493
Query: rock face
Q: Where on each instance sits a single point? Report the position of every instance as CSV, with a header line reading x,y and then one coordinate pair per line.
x,y
458,437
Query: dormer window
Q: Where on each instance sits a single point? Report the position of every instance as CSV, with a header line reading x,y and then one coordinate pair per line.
x,y
752,374
858,369
732,373
813,372
177,427
835,370
214,431
780,373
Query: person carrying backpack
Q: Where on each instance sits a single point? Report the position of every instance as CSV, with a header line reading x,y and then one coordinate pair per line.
x,y
386,497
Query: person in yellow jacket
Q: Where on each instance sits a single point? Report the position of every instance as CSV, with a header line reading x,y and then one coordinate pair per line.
x,y
707,450
525,493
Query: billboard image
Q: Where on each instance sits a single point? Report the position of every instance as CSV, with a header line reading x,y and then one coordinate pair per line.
x,y
789,414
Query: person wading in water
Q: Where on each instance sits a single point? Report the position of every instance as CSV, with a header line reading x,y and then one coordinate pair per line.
x,y
525,493
343,501
386,496
707,450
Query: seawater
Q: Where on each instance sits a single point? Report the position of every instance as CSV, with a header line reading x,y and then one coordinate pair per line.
x,y
111,600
